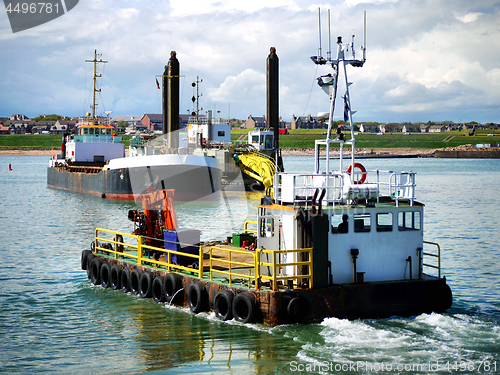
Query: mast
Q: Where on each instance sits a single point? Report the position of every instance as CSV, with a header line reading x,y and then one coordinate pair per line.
x,y
95,90
329,84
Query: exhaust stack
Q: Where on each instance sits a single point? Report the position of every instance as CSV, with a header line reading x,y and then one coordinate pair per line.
x,y
272,90
171,101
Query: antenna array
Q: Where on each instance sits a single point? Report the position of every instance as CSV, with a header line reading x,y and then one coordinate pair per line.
x,y
320,60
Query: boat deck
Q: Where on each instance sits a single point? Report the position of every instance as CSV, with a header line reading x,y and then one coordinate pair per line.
x,y
222,263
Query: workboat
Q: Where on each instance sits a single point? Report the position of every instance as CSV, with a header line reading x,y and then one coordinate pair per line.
x,y
346,244
93,161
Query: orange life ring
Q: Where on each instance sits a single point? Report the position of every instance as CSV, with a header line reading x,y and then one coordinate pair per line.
x,y
363,172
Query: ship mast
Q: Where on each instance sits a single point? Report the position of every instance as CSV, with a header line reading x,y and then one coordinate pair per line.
x,y
196,85
329,84
95,90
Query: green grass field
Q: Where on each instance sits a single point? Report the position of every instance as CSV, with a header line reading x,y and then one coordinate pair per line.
x,y
302,138
37,142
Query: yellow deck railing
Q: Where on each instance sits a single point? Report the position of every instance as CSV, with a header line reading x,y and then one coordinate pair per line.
x,y
438,256
247,223
232,262
142,257
277,267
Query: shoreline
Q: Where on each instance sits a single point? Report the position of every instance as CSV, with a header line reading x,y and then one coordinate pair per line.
x,y
465,152
405,152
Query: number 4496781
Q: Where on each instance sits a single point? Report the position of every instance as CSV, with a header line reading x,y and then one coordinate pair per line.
x,y
33,8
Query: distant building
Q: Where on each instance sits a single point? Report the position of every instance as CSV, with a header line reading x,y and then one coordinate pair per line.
x,y
255,122
391,128
153,122
411,128
18,117
437,128
307,122
369,128
4,129
62,126
424,128
38,129
130,119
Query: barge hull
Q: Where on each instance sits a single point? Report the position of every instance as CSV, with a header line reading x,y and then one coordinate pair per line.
x,y
370,300
190,183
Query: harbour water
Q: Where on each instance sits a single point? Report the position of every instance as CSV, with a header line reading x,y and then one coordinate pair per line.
x,y
52,320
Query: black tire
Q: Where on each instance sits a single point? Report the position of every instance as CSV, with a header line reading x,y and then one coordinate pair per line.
x,y
223,305
244,307
146,285
95,271
125,280
115,277
105,274
158,290
298,309
85,254
135,277
171,286
90,258
197,297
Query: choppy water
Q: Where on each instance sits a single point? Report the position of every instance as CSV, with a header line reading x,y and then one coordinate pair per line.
x,y
53,320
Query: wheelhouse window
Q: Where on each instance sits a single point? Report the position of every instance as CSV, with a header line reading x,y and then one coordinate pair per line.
x,y
384,222
269,141
362,223
339,223
409,220
221,133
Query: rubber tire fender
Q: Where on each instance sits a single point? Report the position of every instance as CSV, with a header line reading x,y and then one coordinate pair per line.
x,y
135,277
90,258
171,285
158,289
146,285
105,274
125,280
244,307
85,254
298,309
95,271
197,297
223,305
115,277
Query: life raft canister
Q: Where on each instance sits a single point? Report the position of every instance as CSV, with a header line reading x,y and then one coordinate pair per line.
x,y
361,168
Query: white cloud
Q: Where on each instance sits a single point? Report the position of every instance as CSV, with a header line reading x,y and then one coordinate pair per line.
x,y
248,85
469,17
183,8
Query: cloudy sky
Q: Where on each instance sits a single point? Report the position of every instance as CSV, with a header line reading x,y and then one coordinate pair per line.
x,y
427,60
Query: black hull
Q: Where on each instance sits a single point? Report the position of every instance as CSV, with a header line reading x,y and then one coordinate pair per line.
x,y
189,183
370,300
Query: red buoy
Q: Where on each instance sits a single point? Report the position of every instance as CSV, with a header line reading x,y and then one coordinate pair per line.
x,y
10,168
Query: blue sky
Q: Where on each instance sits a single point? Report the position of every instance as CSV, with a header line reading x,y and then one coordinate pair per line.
x,y
427,60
